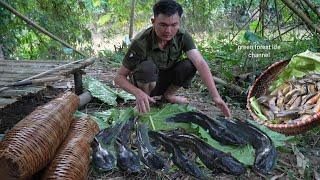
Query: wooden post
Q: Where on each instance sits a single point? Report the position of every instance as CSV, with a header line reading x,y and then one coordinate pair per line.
x,y
78,86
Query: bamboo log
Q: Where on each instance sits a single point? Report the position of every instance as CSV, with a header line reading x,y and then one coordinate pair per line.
x,y
36,26
73,157
32,143
302,16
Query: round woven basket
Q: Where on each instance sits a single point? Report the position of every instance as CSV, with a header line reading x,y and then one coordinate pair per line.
x,y
260,88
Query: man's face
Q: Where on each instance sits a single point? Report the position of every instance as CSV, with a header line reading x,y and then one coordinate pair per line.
x,y
166,27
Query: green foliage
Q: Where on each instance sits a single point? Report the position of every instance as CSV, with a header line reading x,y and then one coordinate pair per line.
x,y
105,93
66,20
113,59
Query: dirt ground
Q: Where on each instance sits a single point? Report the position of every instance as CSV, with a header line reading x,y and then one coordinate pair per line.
x,y
288,164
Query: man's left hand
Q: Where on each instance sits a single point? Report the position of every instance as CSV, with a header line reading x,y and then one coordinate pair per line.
x,y
222,106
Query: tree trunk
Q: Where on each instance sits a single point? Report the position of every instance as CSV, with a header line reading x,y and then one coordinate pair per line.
x,y
1,52
302,16
133,3
277,18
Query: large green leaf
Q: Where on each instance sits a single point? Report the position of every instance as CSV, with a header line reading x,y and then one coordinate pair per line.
x,y
100,91
254,38
300,65
105,93
125,96
156,117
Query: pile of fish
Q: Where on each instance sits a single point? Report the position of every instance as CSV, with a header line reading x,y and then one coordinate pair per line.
x,y
175,143
293,101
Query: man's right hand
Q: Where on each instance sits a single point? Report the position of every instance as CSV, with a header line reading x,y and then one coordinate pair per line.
x,y
143,102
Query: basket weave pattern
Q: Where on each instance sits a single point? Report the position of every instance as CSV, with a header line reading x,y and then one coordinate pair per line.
x,y
260,88
31,144
73,157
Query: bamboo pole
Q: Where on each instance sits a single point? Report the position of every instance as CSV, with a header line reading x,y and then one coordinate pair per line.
x,y
302,16
36,26
133,3
313,7
277,18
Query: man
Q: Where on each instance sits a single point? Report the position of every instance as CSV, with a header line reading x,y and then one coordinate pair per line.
x,y
153,61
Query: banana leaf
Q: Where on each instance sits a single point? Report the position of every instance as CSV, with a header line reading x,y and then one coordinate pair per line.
x,y
300,65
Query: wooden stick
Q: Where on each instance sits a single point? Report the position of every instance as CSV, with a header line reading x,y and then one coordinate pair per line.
x,y
238,89
36,26
292,28
52,70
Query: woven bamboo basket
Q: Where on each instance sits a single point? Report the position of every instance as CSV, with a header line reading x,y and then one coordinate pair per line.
x,y
260,88
32,143
73,157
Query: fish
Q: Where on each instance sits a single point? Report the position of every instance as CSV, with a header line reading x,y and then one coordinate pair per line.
x,y
178,157
307,98
286,115
290,94
102,159
127,159
213,159
265,152
107,135
296,103
217,129
272,104
147,153
288,88
301,118
267,112
312,88
314,99
318,85
291,101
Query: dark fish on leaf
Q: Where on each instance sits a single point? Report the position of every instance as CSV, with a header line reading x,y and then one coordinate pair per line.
x,y
212,158
106,136
101,158
178,158
265,155
127,160
147,153
217,129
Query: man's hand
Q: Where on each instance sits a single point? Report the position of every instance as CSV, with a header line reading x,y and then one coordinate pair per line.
x,y
222,106
143,102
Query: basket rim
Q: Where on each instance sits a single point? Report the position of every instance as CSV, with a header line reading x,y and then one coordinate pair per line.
x,y
314,117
